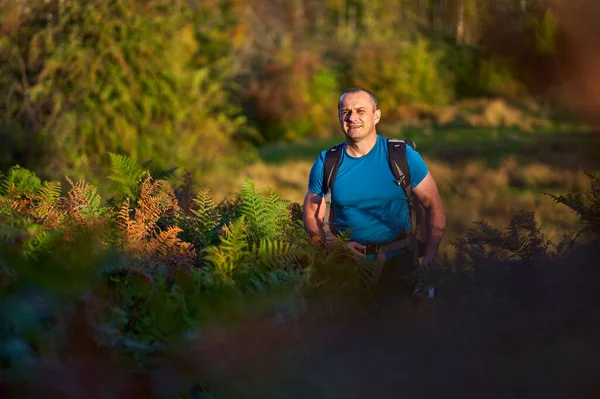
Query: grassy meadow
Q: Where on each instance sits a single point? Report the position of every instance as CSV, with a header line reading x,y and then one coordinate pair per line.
x,y
482,173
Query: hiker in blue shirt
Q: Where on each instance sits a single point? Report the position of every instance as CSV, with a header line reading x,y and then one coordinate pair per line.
x,y
369,199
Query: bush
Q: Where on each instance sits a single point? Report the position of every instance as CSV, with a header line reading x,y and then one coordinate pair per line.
x,y
294,97
114,76
402,73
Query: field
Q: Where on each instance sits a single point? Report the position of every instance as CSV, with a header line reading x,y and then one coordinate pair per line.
x,y
482,173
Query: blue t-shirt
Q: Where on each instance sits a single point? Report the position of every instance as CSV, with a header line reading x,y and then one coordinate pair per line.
x,y
365,197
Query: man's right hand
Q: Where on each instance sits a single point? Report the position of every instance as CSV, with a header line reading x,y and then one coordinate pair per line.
x,y
314,212
357,249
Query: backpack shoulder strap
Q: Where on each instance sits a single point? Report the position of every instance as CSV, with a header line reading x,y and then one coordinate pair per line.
x,y
401,171
399,164
331,165
330,168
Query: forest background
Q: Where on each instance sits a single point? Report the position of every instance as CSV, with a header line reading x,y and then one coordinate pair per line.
x,y
501,97
235,89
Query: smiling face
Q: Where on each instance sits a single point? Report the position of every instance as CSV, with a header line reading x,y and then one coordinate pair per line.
x,y
358,116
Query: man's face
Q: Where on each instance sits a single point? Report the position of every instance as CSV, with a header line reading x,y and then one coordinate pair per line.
x,y
358,115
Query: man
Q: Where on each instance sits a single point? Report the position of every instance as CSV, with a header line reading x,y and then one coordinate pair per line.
x,y
365,198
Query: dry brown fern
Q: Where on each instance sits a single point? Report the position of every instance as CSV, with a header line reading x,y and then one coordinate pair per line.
x,y
20,203
81,204
144,239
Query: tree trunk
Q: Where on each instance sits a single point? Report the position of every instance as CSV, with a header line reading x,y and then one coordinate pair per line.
x,y
460,23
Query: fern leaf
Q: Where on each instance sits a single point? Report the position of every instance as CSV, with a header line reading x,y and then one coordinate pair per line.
x,y
207,211
82,202
47,209
20,181
229,257
126,173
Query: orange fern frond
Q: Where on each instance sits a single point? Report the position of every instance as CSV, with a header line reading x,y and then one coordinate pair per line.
x,y
143,238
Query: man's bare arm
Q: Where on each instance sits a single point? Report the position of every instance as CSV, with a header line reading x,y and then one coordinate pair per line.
x,y
314,213
427,193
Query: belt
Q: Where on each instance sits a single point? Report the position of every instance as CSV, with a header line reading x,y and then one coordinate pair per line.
x,y
404,240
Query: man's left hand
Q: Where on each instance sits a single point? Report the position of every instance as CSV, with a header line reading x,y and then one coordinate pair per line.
x,y
429,260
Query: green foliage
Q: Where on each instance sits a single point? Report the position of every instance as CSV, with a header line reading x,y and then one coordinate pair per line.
x,y
403,73
586,205
230,256
546,30
265,216
296,99
131,84
485,245
497,77
40,244
19,180
127,174
257,264
207,212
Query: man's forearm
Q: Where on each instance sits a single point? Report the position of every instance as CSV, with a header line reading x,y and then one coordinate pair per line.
x,y
436,217
313,226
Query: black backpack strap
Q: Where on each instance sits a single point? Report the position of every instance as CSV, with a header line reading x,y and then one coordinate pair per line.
x,y
401,171
331,165
330,168
399,164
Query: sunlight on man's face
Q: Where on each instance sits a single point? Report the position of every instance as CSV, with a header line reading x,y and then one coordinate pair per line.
x,y
358,116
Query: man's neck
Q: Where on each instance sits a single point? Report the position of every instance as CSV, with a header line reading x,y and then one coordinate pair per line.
x,y
361,148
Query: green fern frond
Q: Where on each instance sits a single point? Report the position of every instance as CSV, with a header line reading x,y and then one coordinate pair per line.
x,y
253,204
41,243
126,173
47,204
261,219
586,205
207,211
229,257
21,181
275,254
281,214
487,233
50,192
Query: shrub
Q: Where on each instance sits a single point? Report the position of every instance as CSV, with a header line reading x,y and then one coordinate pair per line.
x,y
402,73
114,76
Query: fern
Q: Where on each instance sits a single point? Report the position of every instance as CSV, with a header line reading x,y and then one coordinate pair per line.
x,y
586,205
47,205
255,212
19,181
273,256
155,247
49,192
267,217
207,212
82,203
231,255
484,245
200,225
42,242
127,174
281,214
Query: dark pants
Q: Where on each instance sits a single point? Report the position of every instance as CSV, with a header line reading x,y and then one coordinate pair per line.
x,y
395,281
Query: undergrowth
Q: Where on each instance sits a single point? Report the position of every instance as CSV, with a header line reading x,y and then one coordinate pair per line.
x,y
125,284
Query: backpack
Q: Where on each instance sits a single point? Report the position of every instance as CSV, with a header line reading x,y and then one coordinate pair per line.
x,y
399,167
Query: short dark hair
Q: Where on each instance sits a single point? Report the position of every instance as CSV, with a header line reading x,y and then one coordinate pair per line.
x,y
358,90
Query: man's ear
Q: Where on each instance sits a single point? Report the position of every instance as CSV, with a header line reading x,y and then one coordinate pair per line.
x,y
377,115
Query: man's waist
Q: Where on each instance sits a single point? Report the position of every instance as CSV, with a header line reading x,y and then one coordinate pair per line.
x,y
400,242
